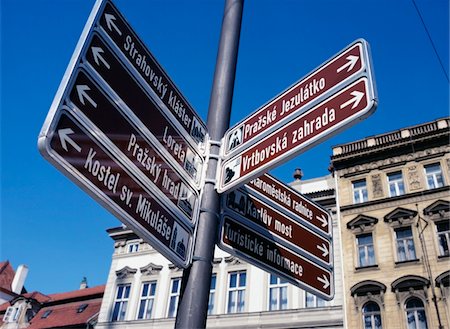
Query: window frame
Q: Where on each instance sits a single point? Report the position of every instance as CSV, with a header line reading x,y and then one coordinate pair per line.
x,y
415,310
446,234
212,295
238,289
278,286
121,301
361,191
372,315
175,295
366,251
316,301
411,238
147,299
437,183
397,183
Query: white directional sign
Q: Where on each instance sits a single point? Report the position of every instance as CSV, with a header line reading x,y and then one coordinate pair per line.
x,y
120,129
292,126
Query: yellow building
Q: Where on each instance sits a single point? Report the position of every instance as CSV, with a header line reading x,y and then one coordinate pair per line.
x,y
393,197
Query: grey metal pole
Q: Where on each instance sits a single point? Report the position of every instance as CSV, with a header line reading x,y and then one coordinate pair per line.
x,y
193,303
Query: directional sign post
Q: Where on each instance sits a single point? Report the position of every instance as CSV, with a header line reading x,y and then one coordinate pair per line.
x,y
332,98
121,130
281,219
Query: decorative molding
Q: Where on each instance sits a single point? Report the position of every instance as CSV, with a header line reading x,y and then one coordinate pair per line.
x,y
377,186
125,272
394,161
150,269
413,178
231,260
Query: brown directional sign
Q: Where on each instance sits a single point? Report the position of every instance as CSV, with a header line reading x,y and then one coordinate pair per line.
x,y
121,130
292,202
117,28
142,107
291,231
339,111
346,64
89,99
259,250
77,153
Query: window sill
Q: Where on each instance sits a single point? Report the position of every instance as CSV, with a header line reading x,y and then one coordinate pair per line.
x,y
443,257
366,268
407,262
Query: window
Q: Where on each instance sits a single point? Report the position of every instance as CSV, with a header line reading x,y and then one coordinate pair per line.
x,y
81,308
174,297
313,301
360,191
371,316
434,176
405,244
121,302
415,314
12,314
277,293
236,291
133,247
366,253
212,293
396,185
46,314
443,232
148,291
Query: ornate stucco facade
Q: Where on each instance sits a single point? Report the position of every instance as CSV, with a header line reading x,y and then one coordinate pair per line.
x,y
393,197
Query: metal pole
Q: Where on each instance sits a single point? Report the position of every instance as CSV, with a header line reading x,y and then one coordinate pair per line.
x,y
193,303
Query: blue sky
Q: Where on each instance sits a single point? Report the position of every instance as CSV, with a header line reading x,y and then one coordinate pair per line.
x,y
55,228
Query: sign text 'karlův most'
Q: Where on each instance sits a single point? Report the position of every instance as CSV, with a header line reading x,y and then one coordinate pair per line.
x,y
120,129
279,222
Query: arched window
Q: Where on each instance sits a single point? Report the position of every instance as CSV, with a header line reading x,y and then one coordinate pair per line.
x,y
415,314
371,316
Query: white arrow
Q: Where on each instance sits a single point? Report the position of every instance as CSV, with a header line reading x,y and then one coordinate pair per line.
x,y
357,96
96,52
323,248
351,62
323,220
324,280
110,22
82,95
64,138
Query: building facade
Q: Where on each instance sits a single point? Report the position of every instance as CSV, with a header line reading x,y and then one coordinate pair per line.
x,y
393,197
143,288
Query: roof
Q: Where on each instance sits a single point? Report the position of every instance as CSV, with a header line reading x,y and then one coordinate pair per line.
x,y
77,294
66,315
6,275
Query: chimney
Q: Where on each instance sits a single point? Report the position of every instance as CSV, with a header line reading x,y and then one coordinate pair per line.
x,y
298,174
19,279
84,284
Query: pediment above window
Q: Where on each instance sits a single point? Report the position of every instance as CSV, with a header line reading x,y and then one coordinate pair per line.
x,y
368,290
400,216
443,279
231,260
410,285
150,269
125,272
438,210
362,222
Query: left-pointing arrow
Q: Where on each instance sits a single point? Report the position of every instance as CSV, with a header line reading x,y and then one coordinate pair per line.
x,y
82,95
110,22
65,138
97,53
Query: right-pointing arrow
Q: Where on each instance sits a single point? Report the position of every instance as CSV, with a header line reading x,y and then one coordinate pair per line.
x,y
351,62
357,97
65,138
324,249
323,220
324,280
82,95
